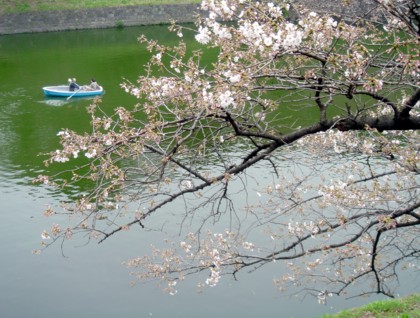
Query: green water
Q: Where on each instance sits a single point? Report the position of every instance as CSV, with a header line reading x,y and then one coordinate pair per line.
x,y
90,281
30,61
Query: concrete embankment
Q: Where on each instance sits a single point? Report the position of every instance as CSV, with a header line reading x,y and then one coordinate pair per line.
x,y
45,21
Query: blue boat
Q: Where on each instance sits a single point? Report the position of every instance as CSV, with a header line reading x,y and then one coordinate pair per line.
x,y
63,91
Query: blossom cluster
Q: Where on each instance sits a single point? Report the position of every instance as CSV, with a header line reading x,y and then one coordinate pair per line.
x,y
302,228
217,250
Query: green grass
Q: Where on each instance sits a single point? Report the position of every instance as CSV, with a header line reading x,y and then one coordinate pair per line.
x,y
408,307
19,6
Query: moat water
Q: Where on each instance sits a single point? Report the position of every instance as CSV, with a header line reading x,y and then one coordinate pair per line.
x,y
90,281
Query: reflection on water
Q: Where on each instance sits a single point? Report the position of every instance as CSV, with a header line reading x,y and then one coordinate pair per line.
x,y
54,102
62,101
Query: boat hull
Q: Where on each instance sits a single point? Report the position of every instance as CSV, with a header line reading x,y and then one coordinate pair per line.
x,y
63,91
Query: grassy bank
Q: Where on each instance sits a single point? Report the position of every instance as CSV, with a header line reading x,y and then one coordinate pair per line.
x,y
408,307
18,6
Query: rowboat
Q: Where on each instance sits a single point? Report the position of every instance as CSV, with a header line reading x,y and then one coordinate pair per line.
x,y
63,91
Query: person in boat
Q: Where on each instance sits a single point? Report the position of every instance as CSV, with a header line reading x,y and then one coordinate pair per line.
x,y
93,86
73,85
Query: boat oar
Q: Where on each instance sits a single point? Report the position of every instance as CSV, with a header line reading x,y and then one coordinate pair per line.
x,y
68,98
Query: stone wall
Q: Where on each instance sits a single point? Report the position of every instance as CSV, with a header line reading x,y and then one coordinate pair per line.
x,y
140,15
95,18
354,8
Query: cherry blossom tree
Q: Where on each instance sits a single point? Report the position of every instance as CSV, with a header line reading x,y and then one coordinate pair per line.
x,y
297,146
